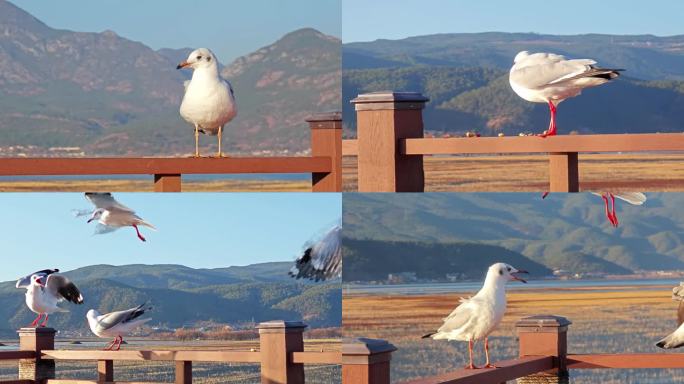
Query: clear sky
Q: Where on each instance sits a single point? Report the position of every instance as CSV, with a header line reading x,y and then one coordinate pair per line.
x,y
231,28
206,230
365,20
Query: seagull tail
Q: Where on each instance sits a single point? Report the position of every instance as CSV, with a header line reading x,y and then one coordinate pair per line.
x,y
146,224
426,336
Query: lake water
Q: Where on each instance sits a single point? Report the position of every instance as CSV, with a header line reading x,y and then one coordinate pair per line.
x,y
474,286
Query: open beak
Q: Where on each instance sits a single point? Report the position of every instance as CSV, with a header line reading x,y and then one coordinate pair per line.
x,y
518,278
182,64
39,281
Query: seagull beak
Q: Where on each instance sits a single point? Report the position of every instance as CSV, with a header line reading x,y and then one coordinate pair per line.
x,y
182,64
515,277
89,220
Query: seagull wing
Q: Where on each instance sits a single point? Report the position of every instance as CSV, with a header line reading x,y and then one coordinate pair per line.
x,y
321,260
101,229
543,69
458,317
106,201
634,198
25,281
109,320
186,83
61,287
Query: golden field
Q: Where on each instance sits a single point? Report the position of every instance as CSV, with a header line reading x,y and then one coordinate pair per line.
x,y
147,186
529,173
609,320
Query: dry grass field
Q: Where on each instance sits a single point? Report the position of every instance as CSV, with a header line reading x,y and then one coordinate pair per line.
x,y
529,173
147,186
619,320
203,373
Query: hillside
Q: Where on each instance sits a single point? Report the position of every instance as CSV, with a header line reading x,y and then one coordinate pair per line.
x,y
562,231
108,95
466,78
182,296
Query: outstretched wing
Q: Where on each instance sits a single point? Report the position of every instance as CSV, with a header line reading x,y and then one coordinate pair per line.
x,y
321,260
102,229
25,281
105,200
60,286
634,198
110,320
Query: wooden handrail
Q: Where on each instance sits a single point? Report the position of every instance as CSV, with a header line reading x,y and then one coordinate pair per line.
x,y
67,381
205,356
17,382
631,360
505,370
16,355
317,357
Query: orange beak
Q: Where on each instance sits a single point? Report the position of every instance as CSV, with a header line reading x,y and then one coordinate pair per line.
x,y
182,64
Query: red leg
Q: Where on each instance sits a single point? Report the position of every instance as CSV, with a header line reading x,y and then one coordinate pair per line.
x,y
119,340
110,345
44,324
613,214
138,232
486,347
605,202
552,124
37,319
470,354
544,195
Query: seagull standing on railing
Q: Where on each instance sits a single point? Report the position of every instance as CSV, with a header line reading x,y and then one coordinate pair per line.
x,y
45,291
550,78
209,100
112,215
321,259
676,338
477,317
116,324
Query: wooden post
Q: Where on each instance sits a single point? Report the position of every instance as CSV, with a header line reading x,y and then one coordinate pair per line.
x,y
326,140
105,371
167,183
277,340
183,372
545,335
366,361
36,339
563,172
383,118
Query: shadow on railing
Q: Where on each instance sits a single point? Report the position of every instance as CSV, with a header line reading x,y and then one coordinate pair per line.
x,y
390,145
324,164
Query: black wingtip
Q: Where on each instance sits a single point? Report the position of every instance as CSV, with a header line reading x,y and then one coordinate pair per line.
x,y
428,335
660,344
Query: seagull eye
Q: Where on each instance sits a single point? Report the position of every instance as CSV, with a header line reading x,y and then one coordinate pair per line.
x,y
208,58
501,272
199,57
509,269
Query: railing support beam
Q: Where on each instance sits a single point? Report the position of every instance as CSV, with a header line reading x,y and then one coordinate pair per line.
x,y
366,361
545,335
183,372
326,140
383,119
105,371
36,340
563,172
167,183
277,340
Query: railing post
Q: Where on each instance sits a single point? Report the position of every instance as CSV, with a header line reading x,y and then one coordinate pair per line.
x,y
545,335
36,339
326,140
383,119
563,172
366,361
167,183
183,372
105,371
277,340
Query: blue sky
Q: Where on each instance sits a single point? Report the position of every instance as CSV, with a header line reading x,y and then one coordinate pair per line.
x,y
230,28
205,230
393,19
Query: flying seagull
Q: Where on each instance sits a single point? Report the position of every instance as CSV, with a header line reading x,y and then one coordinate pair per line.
x,y
46,291
112,215
116,324
209,100
550,78
634,198
321,259
477,317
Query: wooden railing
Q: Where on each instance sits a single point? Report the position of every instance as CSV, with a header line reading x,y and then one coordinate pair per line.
x,y
390,145
324,164
281,357
543,358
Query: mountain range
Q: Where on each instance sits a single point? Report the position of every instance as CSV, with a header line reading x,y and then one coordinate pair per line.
x,y
466,78
562,231
183,296
102,94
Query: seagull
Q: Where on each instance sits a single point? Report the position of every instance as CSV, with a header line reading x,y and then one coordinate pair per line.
x,y
209,100
550,78
46,291
634,198
116,324
321,259
112,215
25,281
477,317
673,340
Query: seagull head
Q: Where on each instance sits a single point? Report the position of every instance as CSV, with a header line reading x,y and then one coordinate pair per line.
x,y
97,214
507,272
199,58
37,281
521,56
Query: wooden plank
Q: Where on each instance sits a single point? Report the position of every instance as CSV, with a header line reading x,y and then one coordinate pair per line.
x,y
167,183
161,165
532,144
105,370
506,370
563,172
16,355
68,381
317,357
350,147
327,142
183,372
17,382
635,360
205,356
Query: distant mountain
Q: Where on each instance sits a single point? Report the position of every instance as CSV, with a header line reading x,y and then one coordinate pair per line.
x,y
562,231
182,296
466,78
113,96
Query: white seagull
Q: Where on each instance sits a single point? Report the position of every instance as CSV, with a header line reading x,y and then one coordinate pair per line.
x,y
25,281
209,100
112,215
321,259
550,78
45,292
116,324
477,317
